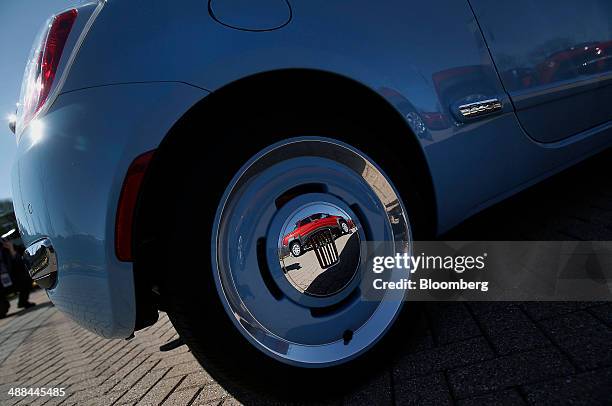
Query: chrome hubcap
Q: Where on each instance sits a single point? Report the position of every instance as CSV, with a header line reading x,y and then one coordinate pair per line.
x,y
288,250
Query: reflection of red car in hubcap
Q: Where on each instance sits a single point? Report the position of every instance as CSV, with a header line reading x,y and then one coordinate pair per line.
x,y
299,239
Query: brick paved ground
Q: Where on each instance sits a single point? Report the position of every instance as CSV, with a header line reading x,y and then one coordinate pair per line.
x,y
455,353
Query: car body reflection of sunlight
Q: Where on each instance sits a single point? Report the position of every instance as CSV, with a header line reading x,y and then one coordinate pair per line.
x,y
37,132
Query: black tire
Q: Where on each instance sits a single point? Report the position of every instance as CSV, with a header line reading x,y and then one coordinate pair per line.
x,y
190,292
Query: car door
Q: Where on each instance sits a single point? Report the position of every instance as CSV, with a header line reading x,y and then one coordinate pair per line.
x,y
554,58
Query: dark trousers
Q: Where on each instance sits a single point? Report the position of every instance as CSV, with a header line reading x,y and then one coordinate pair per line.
x,y
4,304
22,284
25,287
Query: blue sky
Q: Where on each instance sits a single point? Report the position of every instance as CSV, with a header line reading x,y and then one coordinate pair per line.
x,y
21,21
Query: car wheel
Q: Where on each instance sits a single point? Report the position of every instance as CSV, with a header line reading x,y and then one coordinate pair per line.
x,y
295,248
253,320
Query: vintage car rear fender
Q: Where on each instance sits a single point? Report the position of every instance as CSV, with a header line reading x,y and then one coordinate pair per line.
x,y
67,178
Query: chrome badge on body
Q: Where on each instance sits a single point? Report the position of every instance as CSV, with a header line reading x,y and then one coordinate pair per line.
x,y
480,108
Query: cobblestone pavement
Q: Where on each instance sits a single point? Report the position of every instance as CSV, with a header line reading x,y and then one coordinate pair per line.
x,y
455,353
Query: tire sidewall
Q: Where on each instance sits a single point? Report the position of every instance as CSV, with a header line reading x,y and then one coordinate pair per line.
x,y
194,306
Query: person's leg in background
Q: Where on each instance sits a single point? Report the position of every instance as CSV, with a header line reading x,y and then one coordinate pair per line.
x,y
4,303
19,274
25,286
5,281
23,283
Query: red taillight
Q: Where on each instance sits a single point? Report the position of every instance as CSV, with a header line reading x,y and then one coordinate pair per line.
x,y
54,46
42,65
127,205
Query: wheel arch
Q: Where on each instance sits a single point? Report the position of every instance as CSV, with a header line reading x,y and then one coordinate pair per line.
x,y
285,91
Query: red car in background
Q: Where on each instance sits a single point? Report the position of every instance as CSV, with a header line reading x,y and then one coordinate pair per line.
x,y
298,240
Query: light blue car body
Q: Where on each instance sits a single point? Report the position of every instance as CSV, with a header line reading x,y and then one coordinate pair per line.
x,y
144,64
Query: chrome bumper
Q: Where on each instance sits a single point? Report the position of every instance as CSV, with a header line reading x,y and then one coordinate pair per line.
x,y
41,262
